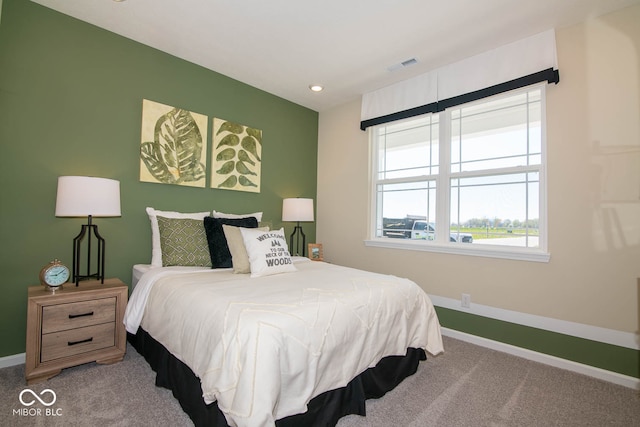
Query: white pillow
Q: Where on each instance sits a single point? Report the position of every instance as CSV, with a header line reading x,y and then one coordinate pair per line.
x,y
257,215
156,250
268,252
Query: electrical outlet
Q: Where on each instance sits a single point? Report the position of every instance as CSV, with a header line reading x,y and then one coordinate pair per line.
x,y
466,300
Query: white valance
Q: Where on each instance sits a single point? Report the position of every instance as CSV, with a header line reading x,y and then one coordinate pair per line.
x,y
513,65
405,95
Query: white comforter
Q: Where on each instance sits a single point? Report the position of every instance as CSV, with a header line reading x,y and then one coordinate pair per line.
x,y
264,347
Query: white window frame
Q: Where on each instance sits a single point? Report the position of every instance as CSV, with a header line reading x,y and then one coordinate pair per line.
x,y
441,244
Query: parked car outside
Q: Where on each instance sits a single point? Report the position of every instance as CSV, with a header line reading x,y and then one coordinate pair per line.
x,y
426,231
417,229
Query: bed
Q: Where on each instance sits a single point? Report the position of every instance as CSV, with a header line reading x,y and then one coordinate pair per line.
x,y
291,342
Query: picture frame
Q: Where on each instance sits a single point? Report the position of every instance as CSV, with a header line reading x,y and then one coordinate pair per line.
x,y
315,252
169,132
236,156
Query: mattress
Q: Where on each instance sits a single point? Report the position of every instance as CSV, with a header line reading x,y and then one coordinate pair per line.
x,y
139,270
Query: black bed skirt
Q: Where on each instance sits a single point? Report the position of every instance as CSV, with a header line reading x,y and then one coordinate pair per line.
x,y
323,410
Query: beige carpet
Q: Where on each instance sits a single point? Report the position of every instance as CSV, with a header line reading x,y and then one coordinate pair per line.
x,y
467,386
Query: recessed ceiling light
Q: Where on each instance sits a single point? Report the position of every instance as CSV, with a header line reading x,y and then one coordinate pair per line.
x,y
316,88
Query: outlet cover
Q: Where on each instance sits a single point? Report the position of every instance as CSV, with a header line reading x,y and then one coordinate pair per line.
x,y
466,300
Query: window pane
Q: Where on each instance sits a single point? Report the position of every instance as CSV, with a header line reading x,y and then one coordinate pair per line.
x,y
488,194
497,210
535,130
401,206
408,148
501,133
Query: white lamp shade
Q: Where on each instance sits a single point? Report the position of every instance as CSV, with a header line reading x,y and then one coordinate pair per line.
x,y
297,209
84,196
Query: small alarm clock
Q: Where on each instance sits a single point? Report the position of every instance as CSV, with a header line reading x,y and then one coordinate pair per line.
x,y
54,275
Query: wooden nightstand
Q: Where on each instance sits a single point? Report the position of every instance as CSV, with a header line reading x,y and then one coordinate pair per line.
x,y
74,325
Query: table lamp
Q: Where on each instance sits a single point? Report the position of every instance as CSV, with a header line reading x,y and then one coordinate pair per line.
x,y
297,210
80,196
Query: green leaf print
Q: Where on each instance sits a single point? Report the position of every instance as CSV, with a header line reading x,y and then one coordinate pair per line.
x,y
175,154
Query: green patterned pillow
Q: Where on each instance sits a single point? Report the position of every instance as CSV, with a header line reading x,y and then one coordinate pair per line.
x,y
183,241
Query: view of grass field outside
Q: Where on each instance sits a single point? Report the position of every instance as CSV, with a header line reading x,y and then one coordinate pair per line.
x,y
495,163
512,235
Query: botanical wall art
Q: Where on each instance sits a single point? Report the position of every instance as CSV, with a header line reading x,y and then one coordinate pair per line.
x,y
173,145
235,157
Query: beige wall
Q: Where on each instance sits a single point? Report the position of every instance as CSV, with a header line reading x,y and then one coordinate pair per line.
x,y
593,146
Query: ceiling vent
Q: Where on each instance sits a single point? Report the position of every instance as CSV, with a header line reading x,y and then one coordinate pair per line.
x,y
403,64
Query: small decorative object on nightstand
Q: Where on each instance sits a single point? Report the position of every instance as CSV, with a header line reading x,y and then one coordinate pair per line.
x,y
316,252
54,275
73,326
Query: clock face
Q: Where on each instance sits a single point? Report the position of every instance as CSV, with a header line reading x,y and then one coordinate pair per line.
x,y
56,275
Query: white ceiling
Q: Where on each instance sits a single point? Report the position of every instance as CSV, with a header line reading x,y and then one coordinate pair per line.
x,y
348,46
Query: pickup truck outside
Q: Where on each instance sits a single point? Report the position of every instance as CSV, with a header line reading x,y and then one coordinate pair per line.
x,y
417,229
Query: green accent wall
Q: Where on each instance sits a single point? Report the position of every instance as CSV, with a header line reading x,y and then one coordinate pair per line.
x,y
613,358
71,104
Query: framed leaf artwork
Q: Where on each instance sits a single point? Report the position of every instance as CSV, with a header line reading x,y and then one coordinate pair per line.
x,y
236,156
173,145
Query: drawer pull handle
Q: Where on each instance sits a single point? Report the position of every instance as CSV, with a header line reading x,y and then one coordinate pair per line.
x,y
73,316
70,343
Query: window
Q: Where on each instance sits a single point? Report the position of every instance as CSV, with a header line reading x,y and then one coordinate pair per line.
x,y
469,179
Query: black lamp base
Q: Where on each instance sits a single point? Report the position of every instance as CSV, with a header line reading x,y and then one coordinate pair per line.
x,y
297,231
88,229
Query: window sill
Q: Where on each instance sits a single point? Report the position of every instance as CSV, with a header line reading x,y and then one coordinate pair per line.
x,y
470,249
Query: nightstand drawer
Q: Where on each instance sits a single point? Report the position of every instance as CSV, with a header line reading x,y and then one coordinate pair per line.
x,y
76,341
62,317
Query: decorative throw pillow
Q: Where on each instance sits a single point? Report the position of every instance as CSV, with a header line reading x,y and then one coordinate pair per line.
x,y
218,247
216,214
156,250
183,242
268,252
239,256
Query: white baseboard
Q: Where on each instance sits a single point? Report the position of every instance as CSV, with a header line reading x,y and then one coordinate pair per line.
x,y
16,359
579,330
602,374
